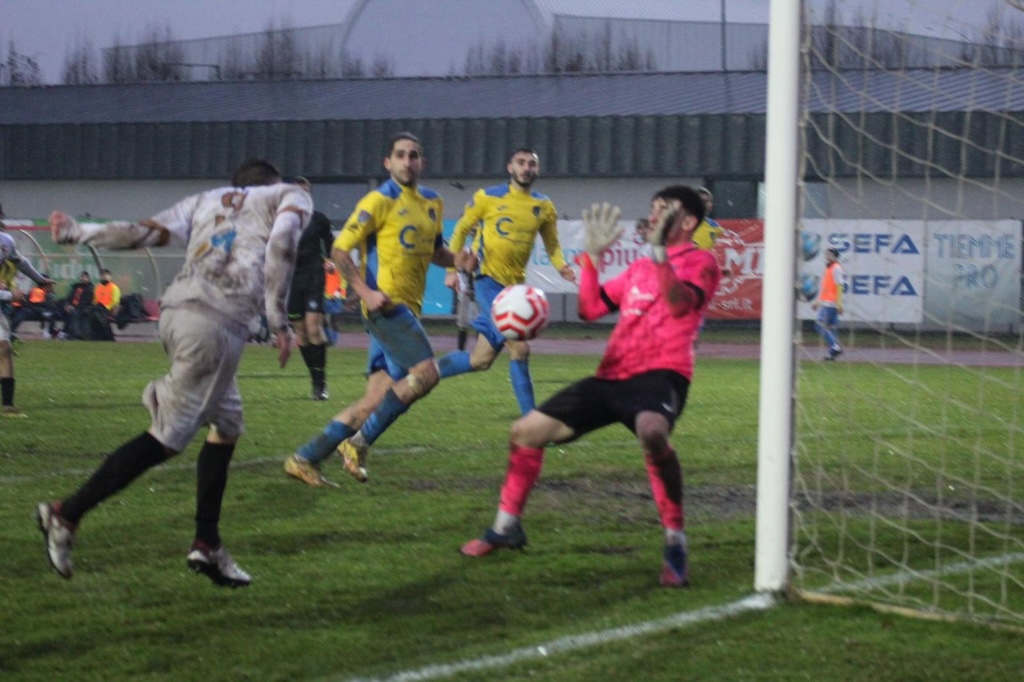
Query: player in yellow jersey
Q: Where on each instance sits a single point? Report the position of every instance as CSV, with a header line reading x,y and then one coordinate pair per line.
x,y
11,263
506,220
708,231
397,230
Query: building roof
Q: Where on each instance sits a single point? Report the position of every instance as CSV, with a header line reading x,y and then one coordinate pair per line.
x,y
506,97
395,98
584,125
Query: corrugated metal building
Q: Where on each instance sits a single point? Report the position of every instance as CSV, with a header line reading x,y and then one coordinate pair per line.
x,y
597,134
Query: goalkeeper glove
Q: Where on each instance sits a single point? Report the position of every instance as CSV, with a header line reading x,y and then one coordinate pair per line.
x,y
659,231
601,223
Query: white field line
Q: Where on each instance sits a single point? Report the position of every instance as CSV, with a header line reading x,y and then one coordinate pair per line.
x,y
712,613
754,602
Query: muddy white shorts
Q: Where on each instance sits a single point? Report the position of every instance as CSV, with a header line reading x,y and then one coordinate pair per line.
x,y
200,388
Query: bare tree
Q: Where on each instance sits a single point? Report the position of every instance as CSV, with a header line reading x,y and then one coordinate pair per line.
x,y
861,44
474,62
233,65
81,63
20,69
159,57
277,56
1000,43
117,63
382,67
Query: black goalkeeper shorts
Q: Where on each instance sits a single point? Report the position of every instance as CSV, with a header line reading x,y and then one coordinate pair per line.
x,y
592,403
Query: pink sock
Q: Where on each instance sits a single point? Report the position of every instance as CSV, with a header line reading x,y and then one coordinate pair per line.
x,y
666,478
523,469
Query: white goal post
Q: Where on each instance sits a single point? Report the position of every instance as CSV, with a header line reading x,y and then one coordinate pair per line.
x,y
893,474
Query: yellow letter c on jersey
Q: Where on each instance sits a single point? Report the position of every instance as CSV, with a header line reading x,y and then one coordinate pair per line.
x,y
497,226
405,239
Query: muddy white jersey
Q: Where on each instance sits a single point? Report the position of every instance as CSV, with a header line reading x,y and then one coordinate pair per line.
x,y
230,260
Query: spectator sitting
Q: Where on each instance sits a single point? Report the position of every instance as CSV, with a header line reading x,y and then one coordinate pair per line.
x,y
40,306
107,294
76,307
106,302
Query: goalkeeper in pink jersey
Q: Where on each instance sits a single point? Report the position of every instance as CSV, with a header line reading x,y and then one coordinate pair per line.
x,y
643,378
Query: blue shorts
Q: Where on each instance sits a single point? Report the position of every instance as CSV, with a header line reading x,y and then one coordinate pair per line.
x,y
397,342
487,289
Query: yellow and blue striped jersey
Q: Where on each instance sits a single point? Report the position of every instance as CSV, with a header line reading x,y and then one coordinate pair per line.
x,y
707,234
506,221
396,230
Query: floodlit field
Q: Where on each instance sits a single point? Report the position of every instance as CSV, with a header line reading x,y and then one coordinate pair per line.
x,y
366,581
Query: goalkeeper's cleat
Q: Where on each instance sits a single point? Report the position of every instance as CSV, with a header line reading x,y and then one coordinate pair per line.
x,y
492,540
217,565
673,571
307,472
59,534
12,412
354,459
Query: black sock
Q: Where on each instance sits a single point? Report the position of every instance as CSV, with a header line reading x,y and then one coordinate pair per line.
x,y
315,358
7,391
120,468
305,350
211,480
319,369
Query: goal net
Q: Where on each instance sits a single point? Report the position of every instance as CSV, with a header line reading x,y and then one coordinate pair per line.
x,y
907,479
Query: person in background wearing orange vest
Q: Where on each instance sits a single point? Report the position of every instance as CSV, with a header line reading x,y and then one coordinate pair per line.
x,y
334,300
39,306
107,294
829,303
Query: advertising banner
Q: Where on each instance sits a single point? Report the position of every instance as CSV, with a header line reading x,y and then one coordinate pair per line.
x,y
740,251
883,263
974,274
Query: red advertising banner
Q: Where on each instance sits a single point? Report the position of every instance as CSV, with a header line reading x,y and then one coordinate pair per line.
x,y
740,251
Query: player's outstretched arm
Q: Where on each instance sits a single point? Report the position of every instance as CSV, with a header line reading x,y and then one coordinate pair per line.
x,y
27,269
115,235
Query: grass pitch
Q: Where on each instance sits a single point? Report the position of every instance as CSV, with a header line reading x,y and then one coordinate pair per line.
x,y
366,581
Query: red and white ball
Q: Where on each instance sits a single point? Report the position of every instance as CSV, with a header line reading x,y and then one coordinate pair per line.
x,y
520,312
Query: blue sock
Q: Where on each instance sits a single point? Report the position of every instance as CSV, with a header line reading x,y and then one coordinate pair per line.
x,y
454,363
321,447
519,372
390,409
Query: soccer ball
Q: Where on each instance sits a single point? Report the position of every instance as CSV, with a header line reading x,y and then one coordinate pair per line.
x,y
520,312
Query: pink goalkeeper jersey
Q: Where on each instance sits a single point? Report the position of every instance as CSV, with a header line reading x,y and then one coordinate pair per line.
x,y
647,337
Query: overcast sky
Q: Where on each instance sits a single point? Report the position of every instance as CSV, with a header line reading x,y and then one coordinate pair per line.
x,y
42,29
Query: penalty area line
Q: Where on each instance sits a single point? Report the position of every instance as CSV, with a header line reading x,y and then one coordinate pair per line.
x,y
755,602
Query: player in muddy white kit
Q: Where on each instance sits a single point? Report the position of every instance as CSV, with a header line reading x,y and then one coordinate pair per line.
x,y
241,243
